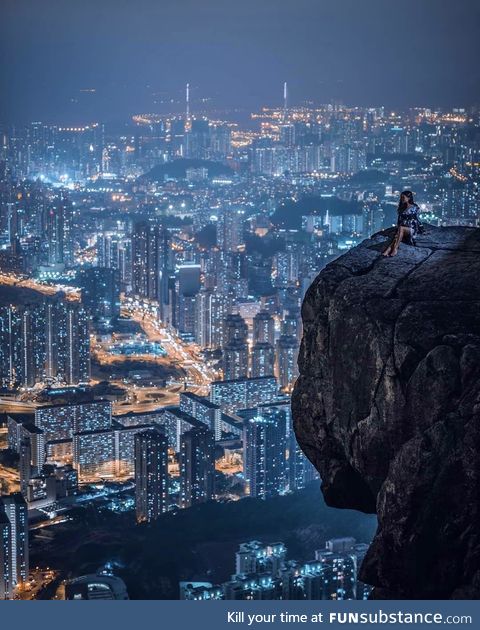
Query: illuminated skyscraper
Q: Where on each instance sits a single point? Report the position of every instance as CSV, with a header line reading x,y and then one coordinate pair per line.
x,y
15,509
115,252
235,360
11,372
197,466
203,318
265,454
198,139
236,328
44,340
149,260
177,137
285,269
94,454
5,574
67,342
263,360
203,410
24,466
151,475
287,353
220,141
292,325
188,288
101,292
243,393
263,328
58,232
257,557
77,348
230,229
62,421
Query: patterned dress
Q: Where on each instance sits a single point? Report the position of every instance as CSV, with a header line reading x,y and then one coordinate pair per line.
x,y
409,218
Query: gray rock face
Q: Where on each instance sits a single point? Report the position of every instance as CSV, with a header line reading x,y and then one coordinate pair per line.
x,y
387,406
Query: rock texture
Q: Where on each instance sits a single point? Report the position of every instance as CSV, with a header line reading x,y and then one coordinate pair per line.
x,y
387,406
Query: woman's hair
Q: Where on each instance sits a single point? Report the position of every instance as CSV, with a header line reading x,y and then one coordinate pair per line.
x,y
409,195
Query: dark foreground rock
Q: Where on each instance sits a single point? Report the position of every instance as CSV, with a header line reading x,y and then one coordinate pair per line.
x,y
387,406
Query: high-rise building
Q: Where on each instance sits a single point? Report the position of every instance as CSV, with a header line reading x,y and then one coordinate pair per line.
x,y
125,448
287,353
22,345
177,137
62,421
265,454
91,416
230,229
25,468
263,360
149,260
236,328
198,139
285,269
220,141
101,292
203,410
263,328
257,557
151,475
210,312
47,340
235,360
21,427
197,466
115,252
11,373
243,393
188,288
5,573
203,318
292,325
94,454
58,232
67,342
14,507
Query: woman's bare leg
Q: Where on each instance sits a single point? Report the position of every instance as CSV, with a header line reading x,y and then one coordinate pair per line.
x,y
402,231
388,250
393,244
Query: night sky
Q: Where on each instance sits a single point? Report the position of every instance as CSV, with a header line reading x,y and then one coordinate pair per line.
x,y
137,53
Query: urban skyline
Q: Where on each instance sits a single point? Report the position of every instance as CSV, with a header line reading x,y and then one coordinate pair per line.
x,y
168,194
151,284
399,54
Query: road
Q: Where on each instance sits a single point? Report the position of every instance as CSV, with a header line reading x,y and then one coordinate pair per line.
x,y
37,580
13,280
8,405
187,355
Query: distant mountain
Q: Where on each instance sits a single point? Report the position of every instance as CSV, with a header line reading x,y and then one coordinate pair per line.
x,y
178,169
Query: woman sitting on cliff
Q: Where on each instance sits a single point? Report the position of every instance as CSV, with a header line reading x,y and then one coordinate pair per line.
x,y
408,223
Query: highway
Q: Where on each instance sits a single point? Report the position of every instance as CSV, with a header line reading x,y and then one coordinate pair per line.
x,y
184,355
13,280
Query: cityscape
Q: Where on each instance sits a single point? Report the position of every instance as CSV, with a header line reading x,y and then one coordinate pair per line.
x,y
152,275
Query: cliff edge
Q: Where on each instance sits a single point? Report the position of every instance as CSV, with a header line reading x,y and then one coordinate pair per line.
x,y
387,406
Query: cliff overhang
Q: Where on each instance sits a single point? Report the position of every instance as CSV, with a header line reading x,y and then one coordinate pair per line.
x,y
387,406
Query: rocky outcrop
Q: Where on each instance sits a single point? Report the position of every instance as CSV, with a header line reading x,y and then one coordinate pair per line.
x,y
387,406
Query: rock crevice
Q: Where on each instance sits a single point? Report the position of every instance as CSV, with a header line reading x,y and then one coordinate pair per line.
x,y
387,406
